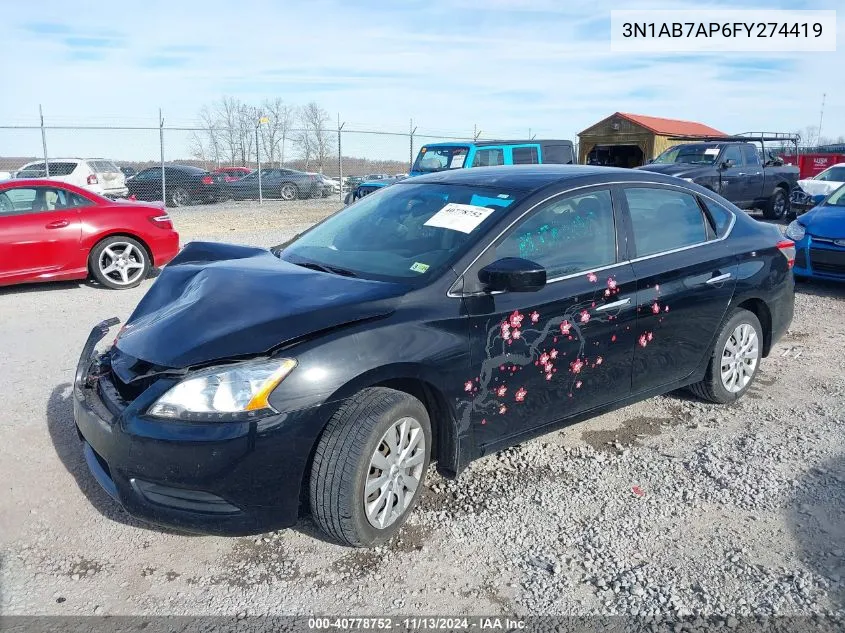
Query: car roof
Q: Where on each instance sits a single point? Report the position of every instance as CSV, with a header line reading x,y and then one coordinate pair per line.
x,y
499,142
530,178
46,182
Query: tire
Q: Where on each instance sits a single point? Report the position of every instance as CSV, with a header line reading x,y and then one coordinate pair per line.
x,y
119,262
344,463
179,197
714,388
289,191
348,199
778,205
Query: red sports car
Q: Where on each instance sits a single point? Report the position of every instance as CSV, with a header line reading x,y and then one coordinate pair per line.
x,y
52,231
233,173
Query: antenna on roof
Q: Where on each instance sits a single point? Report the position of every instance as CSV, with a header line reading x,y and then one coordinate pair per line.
x,y
821,118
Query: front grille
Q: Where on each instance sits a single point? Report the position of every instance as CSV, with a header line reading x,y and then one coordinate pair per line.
x,y
131,390
828,261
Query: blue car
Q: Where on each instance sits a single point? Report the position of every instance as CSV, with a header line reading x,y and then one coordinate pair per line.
x,y
819,237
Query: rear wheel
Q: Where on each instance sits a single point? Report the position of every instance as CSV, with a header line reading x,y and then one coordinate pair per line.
x,y
179,197
289,191
734,360
778,205
119,262
369,466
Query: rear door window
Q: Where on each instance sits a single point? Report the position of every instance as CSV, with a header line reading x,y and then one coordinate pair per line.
x,y
61,168
488,157
557,154
664,219
525,155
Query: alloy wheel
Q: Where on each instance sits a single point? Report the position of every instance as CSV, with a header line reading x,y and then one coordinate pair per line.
x,y
740,358
122,263
288,192
395,473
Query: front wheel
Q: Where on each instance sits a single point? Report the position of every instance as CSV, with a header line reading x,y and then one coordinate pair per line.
x,y
778,205
179,197
734,359
369,466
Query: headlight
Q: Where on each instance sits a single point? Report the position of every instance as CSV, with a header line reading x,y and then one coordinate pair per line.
x,y
795,231
235,392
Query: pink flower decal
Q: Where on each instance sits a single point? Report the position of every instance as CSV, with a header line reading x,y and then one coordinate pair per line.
x,y
553,354
611,283
666,309
564,327
516,319
503,410
484,421
607,292
657,287
576,365
655,307
517,334
501,391
649,336
468,385
520,394
643,340
585,316
548,375
613,339
578,384
535,316
591,277
599,360
544,358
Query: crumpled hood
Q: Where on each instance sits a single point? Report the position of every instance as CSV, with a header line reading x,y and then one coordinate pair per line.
x,y
681,170
818,187
216,301
828,222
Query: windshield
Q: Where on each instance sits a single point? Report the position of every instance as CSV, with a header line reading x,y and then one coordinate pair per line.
x,y
431,159
832,174
401,233
837,198
696,154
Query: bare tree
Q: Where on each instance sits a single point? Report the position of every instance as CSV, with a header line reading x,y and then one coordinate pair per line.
x,y
247,120
205,144
316,139
227,118
276,131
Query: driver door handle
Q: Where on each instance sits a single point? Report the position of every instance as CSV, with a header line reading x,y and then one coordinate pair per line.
x,y
615,304
719,278
58,224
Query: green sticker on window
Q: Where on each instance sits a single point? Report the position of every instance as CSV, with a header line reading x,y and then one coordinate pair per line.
x,y
419,268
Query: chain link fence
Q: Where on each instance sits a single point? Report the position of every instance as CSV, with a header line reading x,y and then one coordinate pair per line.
x,y
339,153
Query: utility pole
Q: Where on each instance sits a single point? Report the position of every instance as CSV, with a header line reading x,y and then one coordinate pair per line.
x,y
821,118
161,146
44,142
411,131
261,119
340,155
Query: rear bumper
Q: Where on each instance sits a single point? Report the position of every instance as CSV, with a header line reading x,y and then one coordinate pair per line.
x,y
165,248
213,478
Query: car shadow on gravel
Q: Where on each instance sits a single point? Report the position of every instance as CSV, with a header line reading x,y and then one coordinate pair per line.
x,y
820,288
816,519
62,430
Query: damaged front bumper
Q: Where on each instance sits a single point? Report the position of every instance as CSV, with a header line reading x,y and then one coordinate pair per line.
x,y
208,477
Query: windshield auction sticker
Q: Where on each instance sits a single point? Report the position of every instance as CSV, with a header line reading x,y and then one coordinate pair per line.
x,y
459,217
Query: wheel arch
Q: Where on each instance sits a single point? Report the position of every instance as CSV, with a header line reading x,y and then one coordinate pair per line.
x,y
761,310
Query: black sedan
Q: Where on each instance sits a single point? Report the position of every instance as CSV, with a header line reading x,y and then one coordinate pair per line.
x,y
442,318
183,185
287,184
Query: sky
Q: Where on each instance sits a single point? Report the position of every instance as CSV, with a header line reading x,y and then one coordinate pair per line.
x,y
501,67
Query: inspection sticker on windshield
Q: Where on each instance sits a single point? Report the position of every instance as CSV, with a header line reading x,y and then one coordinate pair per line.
x,y
711,151
459,217
419,267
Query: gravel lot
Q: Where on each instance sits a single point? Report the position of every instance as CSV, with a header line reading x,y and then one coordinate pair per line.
x,y
669,506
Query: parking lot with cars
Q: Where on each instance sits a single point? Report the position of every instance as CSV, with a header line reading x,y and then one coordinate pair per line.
x,y
670,505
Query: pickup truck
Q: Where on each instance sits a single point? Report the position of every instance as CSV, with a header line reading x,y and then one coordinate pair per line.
x,y
732,169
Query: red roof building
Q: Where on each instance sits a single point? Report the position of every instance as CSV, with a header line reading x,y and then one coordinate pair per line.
x,y
629,140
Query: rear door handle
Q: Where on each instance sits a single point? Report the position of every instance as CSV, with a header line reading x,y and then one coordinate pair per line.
x,y
58,224
719,278
615,304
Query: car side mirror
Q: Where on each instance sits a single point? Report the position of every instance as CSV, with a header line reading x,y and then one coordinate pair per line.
x,y
727,164
513,274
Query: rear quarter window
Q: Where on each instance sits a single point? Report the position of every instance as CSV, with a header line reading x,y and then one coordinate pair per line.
x,y
62,168
664,219
557,154
525,156
720,218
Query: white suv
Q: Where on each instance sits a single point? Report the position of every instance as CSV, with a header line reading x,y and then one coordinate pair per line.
x,y
95,174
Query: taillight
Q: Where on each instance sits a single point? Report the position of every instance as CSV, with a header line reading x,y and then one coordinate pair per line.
x,y
787,247
208,180
162,221
92,179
